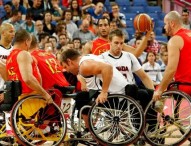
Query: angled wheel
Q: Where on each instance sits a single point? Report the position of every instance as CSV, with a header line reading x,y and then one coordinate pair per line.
x,y
118,121
35,123
171,123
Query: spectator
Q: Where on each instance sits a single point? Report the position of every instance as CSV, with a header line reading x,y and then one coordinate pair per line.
x,y
153,45
106,15
83,33
95,11
43,38
92,26
48,47
70,25
54,42
61,28
47,25
136,35
38,28
14,20
8,11
16,6
77,44
152,68
62,41
76,11
37,10
56,10
164,58
113,25
65,3
29,24
120,18
185,19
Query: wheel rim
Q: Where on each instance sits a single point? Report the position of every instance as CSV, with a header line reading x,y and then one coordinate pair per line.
x,y
120,126
173,121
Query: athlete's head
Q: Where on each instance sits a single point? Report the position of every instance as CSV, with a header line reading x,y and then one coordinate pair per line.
x,y
34,43
7,32
116,39
69,60
173,22
103,26
22,37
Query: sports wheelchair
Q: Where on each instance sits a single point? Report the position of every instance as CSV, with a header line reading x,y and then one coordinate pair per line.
x,y
33,122
173,126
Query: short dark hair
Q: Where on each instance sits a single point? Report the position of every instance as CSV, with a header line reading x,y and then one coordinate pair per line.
x,y
77,39
117,32
52,37
21,35
185,11
71,54
103,18
42,35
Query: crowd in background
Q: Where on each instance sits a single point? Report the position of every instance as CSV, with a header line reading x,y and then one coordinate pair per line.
x,y
60,25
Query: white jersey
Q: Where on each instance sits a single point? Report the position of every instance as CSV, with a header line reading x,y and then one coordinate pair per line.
x,y
126,63
118,82
3,56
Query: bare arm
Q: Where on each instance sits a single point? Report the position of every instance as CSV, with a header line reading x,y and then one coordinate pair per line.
x,y
87,48
174,46
24,60
138,51
96,68
145,79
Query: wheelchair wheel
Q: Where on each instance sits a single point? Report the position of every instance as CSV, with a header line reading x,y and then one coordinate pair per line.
x,y
118,121
168,123
35,123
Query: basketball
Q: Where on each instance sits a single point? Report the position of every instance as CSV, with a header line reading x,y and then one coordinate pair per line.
x,y
142,22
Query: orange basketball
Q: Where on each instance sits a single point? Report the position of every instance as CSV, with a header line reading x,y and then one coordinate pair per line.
x,y
142,22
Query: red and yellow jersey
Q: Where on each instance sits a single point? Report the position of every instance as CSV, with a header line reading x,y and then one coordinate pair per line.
x,y
100,46
14,74
183,72
51,72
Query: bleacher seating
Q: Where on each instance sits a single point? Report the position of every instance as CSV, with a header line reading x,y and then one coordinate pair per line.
x,y
129,23
136,9
130,16
161,38
153,9
123,2
139,3
160,23
154,16
158,31
131,32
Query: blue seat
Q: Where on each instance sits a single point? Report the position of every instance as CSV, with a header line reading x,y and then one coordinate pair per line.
x,y
161,38
130,16
124,9
140,3
123,2
136,9
131,32
158,31
154,16
129,23
153,9
160,23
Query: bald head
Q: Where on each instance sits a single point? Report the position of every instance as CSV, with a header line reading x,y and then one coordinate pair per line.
x,y
174,16
85,25
5,27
